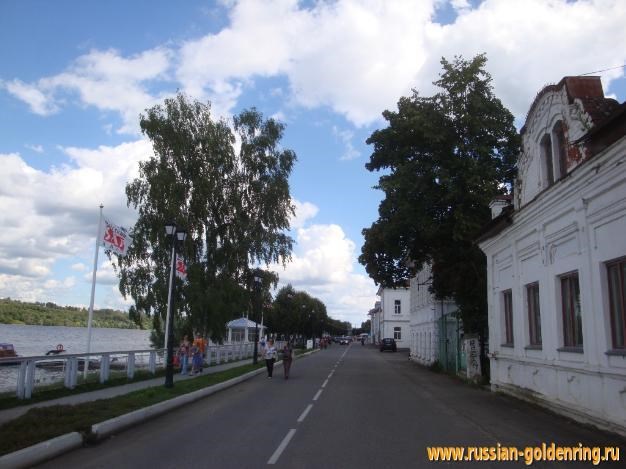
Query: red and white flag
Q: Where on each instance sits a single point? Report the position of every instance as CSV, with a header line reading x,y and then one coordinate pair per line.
x,y
116,238
181,268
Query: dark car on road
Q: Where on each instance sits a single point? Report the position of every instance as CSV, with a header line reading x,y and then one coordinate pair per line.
x,y
388,344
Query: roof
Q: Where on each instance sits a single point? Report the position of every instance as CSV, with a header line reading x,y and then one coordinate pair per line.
x,y
241,323
588,90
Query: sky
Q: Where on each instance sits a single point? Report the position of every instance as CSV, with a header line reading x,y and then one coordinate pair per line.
x,y
75,75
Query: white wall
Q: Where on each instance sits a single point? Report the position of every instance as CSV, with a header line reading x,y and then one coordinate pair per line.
x,y
389,319
577,225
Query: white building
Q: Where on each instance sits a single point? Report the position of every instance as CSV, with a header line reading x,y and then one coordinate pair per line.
x,y
374,314
394,315
556,259
425,318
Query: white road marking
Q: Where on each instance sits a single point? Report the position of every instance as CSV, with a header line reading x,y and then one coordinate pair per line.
x,y
330,375
316,397
325,383
281,447
305,413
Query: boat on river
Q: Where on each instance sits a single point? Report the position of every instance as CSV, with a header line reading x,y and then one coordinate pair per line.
x,y
8,351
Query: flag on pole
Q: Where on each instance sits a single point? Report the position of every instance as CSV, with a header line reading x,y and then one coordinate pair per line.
x,y
116,238
181,268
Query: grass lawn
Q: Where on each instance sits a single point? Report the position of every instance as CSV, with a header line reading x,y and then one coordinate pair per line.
x,y
44,423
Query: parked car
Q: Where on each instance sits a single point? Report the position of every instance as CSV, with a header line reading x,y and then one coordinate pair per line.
x,y
388,344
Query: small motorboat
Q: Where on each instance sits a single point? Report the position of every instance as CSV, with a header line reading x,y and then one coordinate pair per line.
x,y
8,351
59,349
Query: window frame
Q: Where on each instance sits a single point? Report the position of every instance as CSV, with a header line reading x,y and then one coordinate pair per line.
x,y
397,333
397,306
507,310
620,264
570,316
533,308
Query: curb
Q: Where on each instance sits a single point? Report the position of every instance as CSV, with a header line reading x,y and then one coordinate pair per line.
x,y
104,429
46,450
41,452
49,449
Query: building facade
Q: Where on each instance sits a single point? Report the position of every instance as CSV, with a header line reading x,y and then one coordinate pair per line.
x,y
394,315
556,259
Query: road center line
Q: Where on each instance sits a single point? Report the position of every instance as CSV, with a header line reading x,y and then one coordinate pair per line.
x,y
330,375
305,413
316,397
325,383
281,447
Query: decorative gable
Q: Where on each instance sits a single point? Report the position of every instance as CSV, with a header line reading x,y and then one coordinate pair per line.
x,y
558,118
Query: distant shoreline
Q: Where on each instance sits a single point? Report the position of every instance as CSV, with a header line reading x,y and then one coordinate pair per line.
x,y
13,312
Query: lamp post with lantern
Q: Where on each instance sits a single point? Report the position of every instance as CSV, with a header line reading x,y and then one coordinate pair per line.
x,y
175,235
257,290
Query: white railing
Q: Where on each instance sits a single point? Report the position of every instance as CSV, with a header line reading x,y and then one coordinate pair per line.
x,y
25,374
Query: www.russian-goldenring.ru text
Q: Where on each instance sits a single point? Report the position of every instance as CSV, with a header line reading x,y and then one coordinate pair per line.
x,y
528,454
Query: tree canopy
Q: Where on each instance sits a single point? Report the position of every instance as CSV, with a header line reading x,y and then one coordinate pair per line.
x,y
227,185
297,312
443,159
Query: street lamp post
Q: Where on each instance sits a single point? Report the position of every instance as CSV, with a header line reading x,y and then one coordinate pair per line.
x,y
175,235
257,291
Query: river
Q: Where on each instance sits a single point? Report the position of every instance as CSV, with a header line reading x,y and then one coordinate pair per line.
x,y
37,340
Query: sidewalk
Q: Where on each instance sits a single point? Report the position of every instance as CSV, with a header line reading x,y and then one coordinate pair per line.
x,y
10,414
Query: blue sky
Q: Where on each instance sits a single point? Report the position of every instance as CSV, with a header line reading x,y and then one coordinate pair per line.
x,y
75,75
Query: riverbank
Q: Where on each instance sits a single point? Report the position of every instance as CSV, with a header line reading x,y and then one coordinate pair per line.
x,y
50,314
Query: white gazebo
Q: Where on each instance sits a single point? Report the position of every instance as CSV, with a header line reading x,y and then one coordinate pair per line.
x,y
240,330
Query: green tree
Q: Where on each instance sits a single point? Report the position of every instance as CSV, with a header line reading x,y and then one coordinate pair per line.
x,y
297,312
443,159
228,186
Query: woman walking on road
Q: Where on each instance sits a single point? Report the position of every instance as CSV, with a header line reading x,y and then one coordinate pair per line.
x,y
287,358
270,357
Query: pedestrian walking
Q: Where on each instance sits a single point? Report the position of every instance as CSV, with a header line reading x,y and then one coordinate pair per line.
x,y
270,357
287,358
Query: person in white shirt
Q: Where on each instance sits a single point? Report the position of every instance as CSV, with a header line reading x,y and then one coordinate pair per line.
x,y
270,357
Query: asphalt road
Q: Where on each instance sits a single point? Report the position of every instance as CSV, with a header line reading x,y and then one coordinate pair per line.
x,y
344,407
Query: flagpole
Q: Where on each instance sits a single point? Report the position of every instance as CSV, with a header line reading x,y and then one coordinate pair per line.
x,y
93,292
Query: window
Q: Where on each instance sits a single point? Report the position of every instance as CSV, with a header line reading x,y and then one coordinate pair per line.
x,y
559,139
397,307
546,157
572,315
507,300
534,315
617,300
397,333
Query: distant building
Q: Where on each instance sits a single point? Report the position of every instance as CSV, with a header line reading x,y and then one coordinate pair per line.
x,y
556,259
427,318
394,315
374,315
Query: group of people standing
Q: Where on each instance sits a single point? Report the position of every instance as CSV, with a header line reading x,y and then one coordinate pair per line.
x,y
193,352
270,354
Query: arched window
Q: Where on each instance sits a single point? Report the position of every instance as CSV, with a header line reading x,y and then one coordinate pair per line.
x,y
558,132
546,158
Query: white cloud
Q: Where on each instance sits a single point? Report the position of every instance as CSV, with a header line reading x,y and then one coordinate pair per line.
x,y
79,267
322,264
304,212
38,101
103,79
350,153
359,57
35,148
52,215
